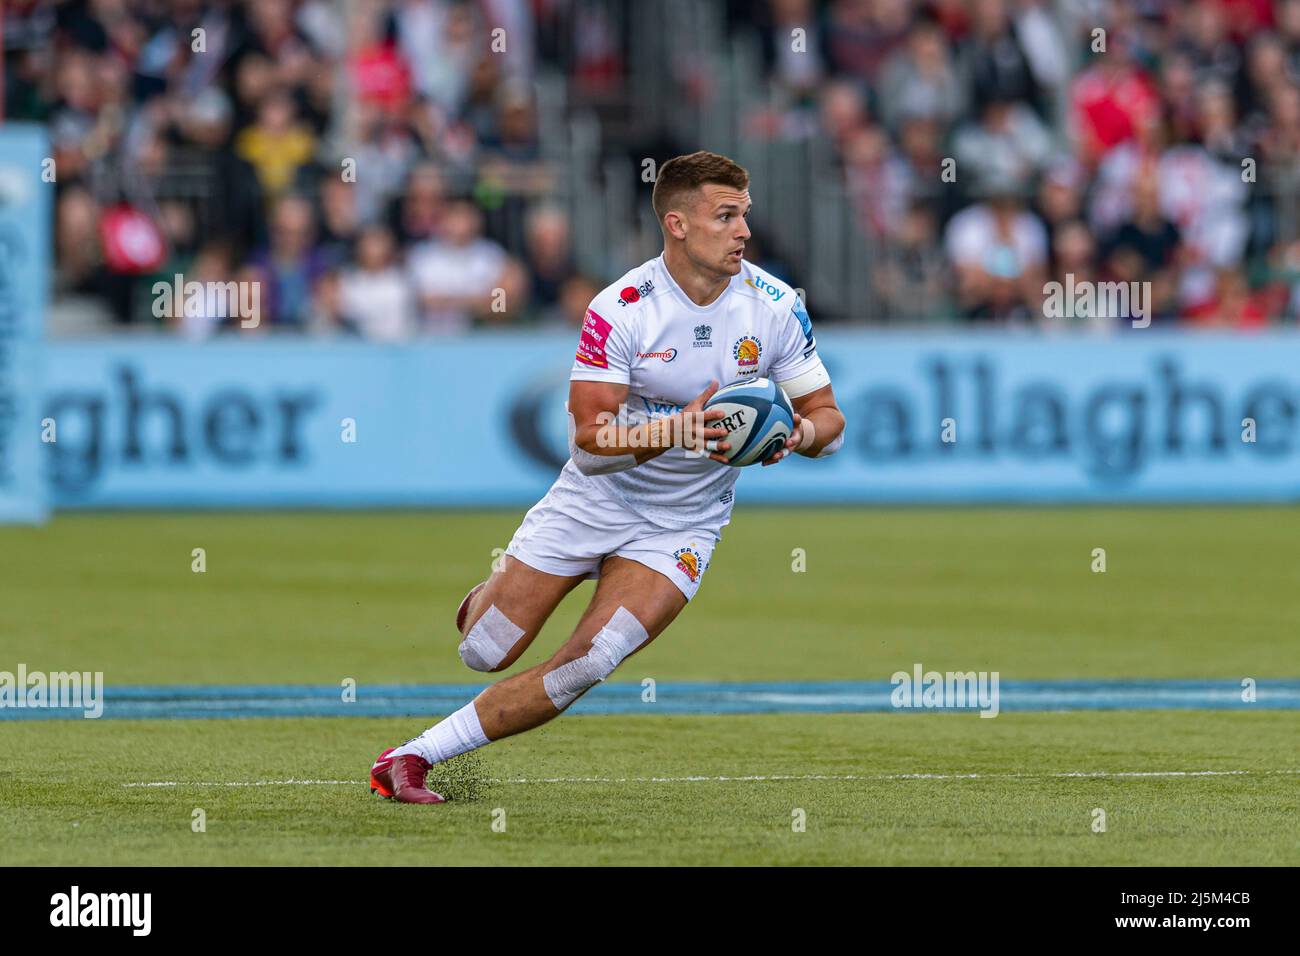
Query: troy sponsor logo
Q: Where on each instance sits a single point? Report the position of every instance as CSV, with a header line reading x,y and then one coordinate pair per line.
x,y
688,562
746,352
766,288
703,337
635,293
667,355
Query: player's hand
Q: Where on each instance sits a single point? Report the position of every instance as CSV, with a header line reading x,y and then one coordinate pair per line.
x,y
695,430
791,443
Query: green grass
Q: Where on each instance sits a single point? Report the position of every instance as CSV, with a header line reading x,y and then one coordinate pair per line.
x,y
63,801
315,598
318,597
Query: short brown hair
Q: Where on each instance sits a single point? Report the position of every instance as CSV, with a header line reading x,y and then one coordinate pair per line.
x,y
681,174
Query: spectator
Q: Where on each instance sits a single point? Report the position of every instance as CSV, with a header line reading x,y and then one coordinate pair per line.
x,y
1112,101
549,257
340,221
290,266
418,212
994,60
999,250
912,279
460,276
919,81
1145,247
277,145
375,298
1009,143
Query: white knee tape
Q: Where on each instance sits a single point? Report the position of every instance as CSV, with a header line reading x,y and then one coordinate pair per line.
x,y
489,640
617,639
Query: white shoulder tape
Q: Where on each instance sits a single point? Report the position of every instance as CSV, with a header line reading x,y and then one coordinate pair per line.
x,y
808,382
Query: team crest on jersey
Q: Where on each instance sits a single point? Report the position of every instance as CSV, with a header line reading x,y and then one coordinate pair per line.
x,y
635,293
746,352
703,337
688,562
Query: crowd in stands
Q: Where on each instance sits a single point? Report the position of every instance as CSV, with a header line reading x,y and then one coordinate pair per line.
x,y
375,165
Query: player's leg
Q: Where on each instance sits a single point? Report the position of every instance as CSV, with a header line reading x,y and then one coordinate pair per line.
x,y
507,612
632,605
556,546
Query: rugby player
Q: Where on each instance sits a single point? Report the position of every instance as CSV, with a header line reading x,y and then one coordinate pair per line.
x,y
643,510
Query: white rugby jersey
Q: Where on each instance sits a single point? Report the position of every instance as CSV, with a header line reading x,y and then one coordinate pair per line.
x,y
642,331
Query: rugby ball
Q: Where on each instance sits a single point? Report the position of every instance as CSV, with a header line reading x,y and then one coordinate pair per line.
x,y
758,420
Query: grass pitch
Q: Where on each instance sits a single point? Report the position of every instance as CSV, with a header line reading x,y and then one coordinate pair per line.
x,y
316,598
64,800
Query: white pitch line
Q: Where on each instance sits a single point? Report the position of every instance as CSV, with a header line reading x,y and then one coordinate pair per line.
x,y
1102,774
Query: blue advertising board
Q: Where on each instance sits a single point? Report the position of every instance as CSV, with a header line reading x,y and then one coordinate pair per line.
x,y
480,420
26,195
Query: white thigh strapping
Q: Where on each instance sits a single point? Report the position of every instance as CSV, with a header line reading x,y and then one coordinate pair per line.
x,y
616,640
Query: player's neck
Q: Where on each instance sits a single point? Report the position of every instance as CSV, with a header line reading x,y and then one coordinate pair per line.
x,y
702,288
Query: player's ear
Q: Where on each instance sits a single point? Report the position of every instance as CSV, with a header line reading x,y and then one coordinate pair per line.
x,y
675,224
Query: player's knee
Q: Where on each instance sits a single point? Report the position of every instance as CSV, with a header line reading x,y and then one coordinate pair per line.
x,y
615,641
490,641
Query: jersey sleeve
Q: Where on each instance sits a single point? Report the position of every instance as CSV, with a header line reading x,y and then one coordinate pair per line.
x,y
796,348
604,353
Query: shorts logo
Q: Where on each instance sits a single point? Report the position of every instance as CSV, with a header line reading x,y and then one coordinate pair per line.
x,y
746,352
666,355
635,293
703,337
688,562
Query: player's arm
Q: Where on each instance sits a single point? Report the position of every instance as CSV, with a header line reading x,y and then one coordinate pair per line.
x,y
599,446
819,424
818,421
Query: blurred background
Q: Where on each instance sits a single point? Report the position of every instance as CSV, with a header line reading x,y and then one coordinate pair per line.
x,y
520,167
426,194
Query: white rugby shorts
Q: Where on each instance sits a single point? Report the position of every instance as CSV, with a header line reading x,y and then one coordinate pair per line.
x,y
571,531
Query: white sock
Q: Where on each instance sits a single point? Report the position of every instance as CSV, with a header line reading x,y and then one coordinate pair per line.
x,y
453,735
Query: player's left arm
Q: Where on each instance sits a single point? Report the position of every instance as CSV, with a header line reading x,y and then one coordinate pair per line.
x,y
818,426
818,421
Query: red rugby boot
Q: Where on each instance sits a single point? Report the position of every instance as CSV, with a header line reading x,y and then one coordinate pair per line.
x,y
464,606
402,779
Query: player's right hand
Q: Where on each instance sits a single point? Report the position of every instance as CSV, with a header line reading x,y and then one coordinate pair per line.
x,y
695,430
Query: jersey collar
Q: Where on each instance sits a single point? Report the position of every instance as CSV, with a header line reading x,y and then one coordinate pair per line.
x,y
684,300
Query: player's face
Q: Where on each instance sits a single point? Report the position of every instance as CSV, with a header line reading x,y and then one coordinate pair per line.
x,y
716,237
